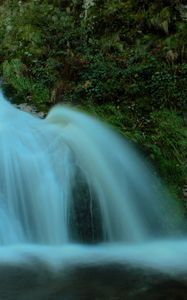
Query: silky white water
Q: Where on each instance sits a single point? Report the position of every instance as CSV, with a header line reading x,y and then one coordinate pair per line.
x,y
38,163
50,170
34,181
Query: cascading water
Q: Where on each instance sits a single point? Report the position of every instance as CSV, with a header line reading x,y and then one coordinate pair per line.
x,y
38,162
41,165
34,180
130,197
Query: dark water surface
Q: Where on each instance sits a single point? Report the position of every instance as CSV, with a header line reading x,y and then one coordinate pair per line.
x,y
152,272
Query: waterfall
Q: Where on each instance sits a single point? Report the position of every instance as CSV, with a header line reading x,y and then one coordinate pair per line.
x,y
38,166
35,179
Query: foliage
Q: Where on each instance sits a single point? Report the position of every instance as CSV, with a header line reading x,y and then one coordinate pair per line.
x,y
13,72
167,142
125,61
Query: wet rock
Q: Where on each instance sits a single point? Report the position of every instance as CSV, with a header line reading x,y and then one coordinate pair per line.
x,y
35,280
30,109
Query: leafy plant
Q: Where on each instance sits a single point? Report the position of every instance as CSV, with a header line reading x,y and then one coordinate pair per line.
x,y
125,61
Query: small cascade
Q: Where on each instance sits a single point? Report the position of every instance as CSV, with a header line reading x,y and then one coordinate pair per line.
x,y
40,164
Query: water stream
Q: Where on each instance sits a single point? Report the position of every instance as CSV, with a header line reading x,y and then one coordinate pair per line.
x,y
69,180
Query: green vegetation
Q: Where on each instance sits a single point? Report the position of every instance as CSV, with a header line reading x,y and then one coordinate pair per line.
x,y
125,61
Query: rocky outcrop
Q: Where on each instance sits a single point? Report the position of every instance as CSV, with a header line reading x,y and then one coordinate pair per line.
x,y
93,282
72,273
30,109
